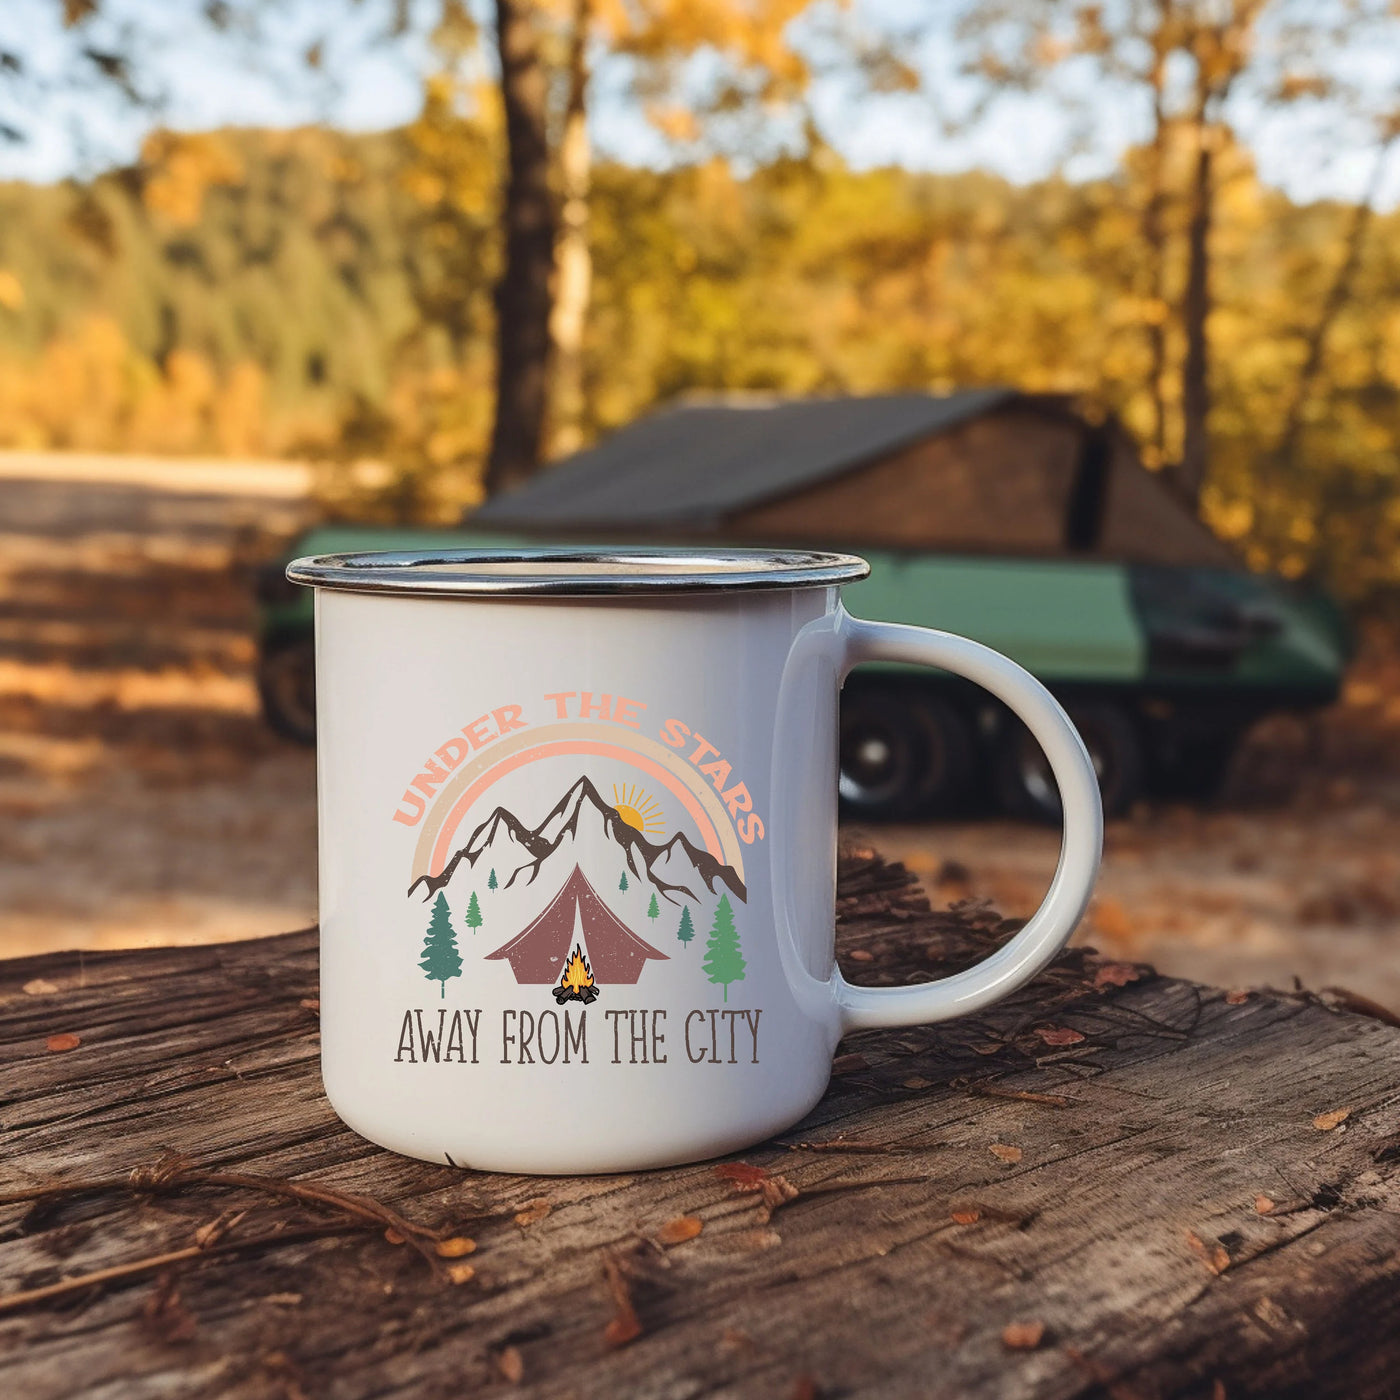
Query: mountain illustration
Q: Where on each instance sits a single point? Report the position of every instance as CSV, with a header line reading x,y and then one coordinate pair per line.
x,y
518,853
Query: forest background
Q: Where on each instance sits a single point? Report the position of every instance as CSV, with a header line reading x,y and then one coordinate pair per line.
x,y
318,293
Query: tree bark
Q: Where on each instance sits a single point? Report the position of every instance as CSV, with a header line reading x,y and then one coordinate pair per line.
x,y
523,294
1154,236
1195,314
898,1265
573,263
1221,51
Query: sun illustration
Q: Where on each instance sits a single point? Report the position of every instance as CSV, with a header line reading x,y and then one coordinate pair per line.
x,y
639,809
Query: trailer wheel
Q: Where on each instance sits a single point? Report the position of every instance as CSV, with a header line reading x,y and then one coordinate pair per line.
x,y
287,688
950,755
1025,787
902,756
1196,772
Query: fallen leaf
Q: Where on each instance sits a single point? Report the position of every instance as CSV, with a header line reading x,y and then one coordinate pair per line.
x,y
805,1388
393,1236
966,1217
65,1040
511,1364
460,1273
1218,1391
39,987
1059,1035
1005,1152
1327,1121
309,1004
1214,1256
861,955
624,1326
1263,1205
744,1176
283,1300
848,1064
775,1190
679,1230
532,1212
1116,974
991,1048
735,1340
455,1247
917,1082
1238,997
1023,1336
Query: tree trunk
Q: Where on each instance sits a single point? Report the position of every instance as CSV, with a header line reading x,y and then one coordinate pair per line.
x,y
1221,51
573,262
523,293
1154,236
1195,313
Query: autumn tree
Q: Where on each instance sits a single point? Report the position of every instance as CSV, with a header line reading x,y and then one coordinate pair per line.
x,y
543,295
1185,61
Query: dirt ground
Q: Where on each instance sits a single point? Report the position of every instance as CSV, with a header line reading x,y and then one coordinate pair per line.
x,y
142,801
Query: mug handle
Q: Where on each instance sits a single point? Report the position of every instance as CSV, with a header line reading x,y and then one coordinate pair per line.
x,y
1049,928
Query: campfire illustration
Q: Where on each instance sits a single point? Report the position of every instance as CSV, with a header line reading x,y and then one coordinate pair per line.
x,y
577,982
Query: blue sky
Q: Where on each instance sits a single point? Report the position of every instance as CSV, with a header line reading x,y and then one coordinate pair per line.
x,y
203,80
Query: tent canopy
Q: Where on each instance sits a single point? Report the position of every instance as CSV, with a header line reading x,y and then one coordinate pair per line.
x,y
537,954
989,471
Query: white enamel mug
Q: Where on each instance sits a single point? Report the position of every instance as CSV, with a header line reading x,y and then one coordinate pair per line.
x,y
578,848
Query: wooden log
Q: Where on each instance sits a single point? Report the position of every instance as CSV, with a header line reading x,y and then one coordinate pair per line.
x,y
1114,1184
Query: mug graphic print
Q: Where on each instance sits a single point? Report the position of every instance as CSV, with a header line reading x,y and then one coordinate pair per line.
x,y
578,899
578,848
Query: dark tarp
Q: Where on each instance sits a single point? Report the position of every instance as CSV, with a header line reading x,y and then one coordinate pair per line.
x,y
692,465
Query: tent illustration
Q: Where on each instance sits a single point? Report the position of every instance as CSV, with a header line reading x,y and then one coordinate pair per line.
x,y
576,914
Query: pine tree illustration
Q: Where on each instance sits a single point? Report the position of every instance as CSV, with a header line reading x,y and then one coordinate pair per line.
x,y
440,957
687,929
622,883
653,909
491,879
473,918
723,960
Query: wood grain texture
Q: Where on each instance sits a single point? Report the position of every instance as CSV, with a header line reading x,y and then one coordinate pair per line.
x,y
1128,1227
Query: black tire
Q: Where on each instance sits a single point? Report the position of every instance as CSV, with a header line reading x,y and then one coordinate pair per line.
x,y
950,752
287,688
1196,771
1025,787
902,756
